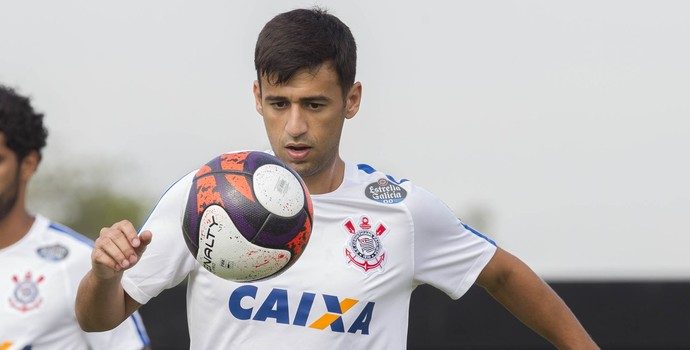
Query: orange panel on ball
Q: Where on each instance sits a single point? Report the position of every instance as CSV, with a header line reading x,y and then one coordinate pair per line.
x,y
240,183
233,161
206,193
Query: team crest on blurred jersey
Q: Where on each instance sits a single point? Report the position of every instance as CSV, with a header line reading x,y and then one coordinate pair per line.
x,y
26,295
364,249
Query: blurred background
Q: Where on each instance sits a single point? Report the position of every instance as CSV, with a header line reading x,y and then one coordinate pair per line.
x,y
559,129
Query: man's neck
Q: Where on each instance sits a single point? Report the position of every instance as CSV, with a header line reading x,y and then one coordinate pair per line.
x,y
15,226
328,180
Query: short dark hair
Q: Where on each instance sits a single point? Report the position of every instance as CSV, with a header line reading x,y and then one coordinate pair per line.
x,y
305,38
22,126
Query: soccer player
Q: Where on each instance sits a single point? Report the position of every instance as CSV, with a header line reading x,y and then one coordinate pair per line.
x,y
41,262
374,238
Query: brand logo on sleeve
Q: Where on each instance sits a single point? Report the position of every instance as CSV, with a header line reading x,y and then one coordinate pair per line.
x,y
364,248
384,191
26,296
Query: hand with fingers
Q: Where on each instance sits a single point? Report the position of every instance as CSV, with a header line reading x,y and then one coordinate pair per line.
x,y
118,248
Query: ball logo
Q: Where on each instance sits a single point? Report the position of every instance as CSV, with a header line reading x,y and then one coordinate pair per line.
x,y
242,260
26,295
386,192
364,248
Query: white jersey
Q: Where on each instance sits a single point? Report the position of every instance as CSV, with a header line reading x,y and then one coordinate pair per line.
x,y
373,241
39,277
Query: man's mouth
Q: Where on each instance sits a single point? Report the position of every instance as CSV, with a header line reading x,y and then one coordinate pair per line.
x,y
297,152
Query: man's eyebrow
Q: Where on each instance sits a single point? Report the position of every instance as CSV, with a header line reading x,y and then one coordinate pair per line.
x,y
315,98
275,98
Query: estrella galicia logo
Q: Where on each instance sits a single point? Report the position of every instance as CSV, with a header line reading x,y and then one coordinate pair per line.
x,y
386,192
54,252
244,305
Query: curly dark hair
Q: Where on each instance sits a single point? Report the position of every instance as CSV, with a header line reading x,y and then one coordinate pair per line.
x,y
20,124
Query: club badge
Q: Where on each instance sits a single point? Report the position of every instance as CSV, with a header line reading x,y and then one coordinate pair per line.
x,y
364,248
26,294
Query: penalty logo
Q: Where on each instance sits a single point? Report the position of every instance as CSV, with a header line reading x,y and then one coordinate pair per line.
x,y
25,296
364,249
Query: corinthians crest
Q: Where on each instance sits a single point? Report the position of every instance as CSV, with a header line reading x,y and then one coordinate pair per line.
x,y
364,249
25,296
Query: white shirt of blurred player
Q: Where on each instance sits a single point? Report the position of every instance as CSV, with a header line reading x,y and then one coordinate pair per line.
x,y
39,276
331,298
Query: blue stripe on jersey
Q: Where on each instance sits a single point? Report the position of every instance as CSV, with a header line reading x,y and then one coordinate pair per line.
x,y
468,227
369,170
69,232
366,168
140,329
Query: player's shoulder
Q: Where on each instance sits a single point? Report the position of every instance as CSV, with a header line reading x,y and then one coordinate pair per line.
x,y
214,164
386,188
58,242
367,172
383,187
69,236
176,193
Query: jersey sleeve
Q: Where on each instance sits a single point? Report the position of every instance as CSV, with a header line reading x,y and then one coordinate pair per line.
x,y
448,254
129,335
167,260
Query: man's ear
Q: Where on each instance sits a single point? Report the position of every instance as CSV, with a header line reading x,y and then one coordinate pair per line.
x,y
29,165
257,97
353,99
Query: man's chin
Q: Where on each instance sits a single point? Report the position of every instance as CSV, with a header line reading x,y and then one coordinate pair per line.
x,y
5,209
303,169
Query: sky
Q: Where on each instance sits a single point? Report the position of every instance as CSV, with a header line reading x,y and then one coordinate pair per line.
x,y
561,128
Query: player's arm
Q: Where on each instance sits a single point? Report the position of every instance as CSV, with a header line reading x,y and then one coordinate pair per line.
x,y
530,299
102,303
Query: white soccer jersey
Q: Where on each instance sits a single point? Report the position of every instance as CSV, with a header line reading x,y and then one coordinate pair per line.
x,y
373,242
39,276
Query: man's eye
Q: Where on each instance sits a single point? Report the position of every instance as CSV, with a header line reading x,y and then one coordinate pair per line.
x,y
279,104
314,106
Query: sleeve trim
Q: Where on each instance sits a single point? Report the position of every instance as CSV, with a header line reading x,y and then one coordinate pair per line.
x,y
474,272
134,291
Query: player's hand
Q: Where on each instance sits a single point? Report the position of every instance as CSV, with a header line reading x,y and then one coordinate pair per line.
x,y
118,248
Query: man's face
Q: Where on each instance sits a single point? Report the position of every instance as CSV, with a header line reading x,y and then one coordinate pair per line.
x,y
9,178
304,118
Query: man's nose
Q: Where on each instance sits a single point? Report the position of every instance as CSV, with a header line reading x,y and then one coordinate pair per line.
x,y
296,124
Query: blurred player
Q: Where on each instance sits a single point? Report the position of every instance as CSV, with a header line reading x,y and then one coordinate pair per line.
x,y
374,238
41,262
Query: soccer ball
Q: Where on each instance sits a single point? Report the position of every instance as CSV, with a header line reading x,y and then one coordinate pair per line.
x,y
248,216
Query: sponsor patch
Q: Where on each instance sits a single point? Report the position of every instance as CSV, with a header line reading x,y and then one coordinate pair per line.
x,y
244,304
364,249
26,296
385,191
54,252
